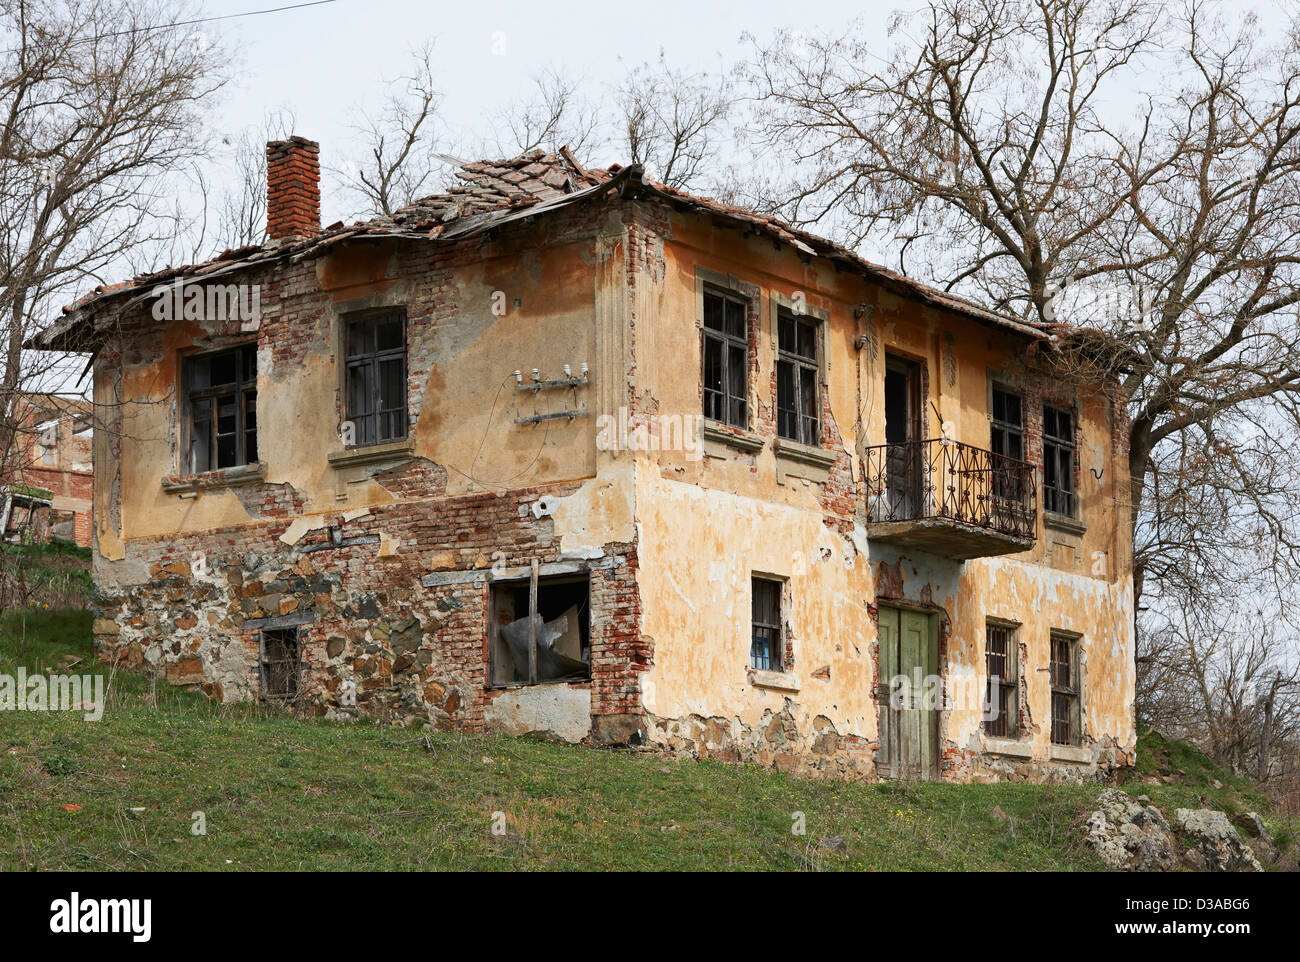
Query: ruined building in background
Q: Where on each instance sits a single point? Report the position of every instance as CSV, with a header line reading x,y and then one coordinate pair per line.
x,y
566,451
45,477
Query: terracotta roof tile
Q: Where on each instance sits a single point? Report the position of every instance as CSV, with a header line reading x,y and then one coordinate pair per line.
x,y
506,188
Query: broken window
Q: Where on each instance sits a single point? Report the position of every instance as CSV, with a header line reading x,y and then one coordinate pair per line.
x,y
1065,689
1008,441
1001,718
766,637
559,631
1058,460
376,377
221,397
725,358
280,663
797,401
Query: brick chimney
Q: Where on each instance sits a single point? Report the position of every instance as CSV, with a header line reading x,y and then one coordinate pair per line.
x,y
292,188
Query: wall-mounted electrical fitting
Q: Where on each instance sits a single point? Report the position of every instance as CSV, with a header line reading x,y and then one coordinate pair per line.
x,y
570,381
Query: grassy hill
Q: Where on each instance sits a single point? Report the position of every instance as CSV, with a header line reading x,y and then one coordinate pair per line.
x,y
281,793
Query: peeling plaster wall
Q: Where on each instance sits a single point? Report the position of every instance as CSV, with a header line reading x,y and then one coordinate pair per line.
x,y
671,537
460,381
188,579
707,525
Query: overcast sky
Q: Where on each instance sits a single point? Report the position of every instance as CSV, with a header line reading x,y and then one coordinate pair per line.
x,y
320,61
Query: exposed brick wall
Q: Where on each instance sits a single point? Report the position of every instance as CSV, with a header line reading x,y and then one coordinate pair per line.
x,y
293,188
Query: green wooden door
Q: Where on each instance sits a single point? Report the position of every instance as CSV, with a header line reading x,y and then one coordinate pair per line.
x,y
909,713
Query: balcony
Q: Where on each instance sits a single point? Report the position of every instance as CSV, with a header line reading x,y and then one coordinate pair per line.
x,y
950,499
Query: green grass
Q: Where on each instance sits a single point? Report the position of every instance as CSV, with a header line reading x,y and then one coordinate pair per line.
x,y
282,793
1196,776
44,576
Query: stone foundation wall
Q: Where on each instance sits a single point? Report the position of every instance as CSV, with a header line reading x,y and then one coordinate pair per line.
x,y
366,624
822,752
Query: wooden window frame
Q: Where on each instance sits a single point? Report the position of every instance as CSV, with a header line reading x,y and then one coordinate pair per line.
x,y
800,364
776,641
1007,723
1067,691
242,389
535,582
727,342
1056,450
373,361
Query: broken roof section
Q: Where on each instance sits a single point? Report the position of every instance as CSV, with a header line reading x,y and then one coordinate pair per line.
x,y
491,194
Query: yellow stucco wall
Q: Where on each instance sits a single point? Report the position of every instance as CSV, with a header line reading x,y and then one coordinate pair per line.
x,y
707,525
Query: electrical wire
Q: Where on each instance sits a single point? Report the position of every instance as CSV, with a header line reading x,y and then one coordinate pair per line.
x,y
189,23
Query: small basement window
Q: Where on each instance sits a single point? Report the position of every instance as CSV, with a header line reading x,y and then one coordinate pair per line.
x,y
280,663
561,615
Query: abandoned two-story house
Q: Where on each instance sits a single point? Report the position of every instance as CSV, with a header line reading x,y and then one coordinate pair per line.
x,y
565,451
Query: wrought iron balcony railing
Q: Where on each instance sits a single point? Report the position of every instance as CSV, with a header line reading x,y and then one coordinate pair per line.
x,y
947,480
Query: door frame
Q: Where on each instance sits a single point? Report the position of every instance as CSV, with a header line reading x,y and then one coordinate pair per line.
x,y
895,758
904,460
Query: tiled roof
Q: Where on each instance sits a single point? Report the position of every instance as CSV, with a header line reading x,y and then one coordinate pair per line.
x,y
492,193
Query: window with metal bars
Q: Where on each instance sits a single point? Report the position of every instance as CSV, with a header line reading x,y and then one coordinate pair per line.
x,y
280,663
1002,717
798,411
376,378
1065,690
725,359
1058,461
1008,441
766,637
221,399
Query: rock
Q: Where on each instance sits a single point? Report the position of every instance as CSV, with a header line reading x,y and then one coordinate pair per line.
x,y
1195,860
1216,840
1251,824
1129,837
835,844
1145,800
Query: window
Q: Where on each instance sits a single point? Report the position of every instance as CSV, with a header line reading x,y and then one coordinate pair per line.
x,y
797,397
280,663
376,378
1002,716
221,396
725,357
766,637
1058,461
563,631
1065,690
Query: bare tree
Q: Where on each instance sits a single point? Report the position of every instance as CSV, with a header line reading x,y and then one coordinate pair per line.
x,y
558,115
401,155
987,145
241,212
94,122
674,122
1229,682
